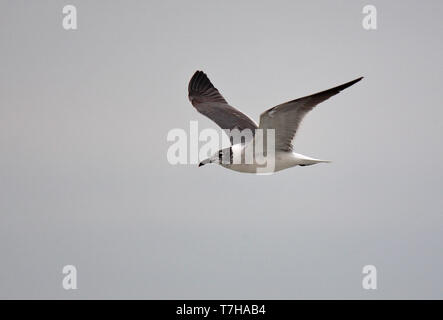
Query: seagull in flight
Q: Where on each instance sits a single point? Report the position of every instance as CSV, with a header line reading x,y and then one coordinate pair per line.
x,y
284,119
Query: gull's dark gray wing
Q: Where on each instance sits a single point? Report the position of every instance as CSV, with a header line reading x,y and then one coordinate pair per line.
x,y
285,118
209,102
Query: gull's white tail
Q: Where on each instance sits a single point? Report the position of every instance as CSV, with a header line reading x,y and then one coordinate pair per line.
x,y
303,160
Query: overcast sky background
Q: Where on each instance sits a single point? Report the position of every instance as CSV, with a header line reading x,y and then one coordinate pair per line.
x,y
84,178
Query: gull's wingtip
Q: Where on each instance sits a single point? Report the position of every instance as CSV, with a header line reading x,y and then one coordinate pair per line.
x,y
343,86
354,81
357,80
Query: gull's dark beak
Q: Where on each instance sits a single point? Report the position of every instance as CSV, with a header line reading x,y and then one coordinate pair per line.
x,y
204,162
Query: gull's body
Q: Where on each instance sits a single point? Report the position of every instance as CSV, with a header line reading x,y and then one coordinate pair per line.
x,y
283,160
283,120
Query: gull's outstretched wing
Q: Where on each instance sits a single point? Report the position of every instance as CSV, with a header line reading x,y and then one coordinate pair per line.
x,y
285,118
209,102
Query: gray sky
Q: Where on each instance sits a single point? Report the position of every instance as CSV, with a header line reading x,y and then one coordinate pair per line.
x,y
84,178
